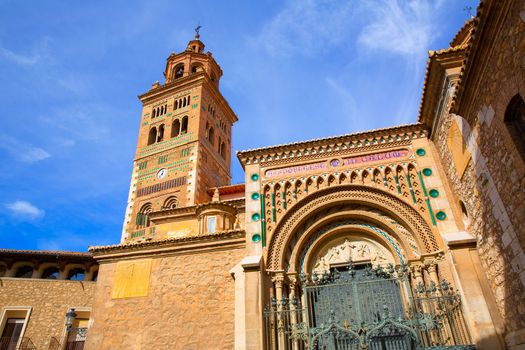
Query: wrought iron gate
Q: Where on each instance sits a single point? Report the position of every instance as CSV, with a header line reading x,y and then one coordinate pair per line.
x,y
356,309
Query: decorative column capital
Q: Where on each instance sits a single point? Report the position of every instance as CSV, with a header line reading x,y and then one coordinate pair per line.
x,y
278,278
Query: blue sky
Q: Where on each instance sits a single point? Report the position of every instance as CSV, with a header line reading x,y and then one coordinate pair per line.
x,y
70,72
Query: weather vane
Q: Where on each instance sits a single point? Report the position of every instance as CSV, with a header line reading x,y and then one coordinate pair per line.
x,y
197,35
469,11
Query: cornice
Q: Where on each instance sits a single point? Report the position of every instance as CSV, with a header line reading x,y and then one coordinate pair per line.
x,y
434,75
170,244
188,82
179,84
333,146
45,255
487,24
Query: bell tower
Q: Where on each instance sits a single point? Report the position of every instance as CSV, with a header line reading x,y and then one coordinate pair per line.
x,y
184,142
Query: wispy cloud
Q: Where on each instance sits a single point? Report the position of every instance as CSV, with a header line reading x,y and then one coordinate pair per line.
x,y
400,27
79,122
22,151
38,53
24,210
306,27
347,102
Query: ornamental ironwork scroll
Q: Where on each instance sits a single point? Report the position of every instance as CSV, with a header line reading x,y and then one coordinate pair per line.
x,y
359,308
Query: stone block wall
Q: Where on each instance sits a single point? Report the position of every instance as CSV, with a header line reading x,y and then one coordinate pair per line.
x,y
190,305
49,300
493,185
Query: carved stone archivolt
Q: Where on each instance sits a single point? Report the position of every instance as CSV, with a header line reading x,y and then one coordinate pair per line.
x,y
350,249
288,229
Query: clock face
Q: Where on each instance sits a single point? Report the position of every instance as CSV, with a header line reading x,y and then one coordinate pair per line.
x,y
162,173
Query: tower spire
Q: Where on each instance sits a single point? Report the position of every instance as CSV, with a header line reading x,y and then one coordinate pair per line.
x,y
196,45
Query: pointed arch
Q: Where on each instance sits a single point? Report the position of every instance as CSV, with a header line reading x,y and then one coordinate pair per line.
x,y
211,135
152,137
184,125
160,135
175,128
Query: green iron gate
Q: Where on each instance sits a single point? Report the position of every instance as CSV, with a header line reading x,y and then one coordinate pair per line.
x,y
364,308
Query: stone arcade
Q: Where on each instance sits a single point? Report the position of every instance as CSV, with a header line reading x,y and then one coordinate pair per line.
x,y
409,237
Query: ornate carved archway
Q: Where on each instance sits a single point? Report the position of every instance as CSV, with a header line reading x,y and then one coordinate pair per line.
x,y
287,232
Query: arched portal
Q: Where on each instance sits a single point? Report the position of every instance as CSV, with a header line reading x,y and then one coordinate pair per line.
x,y
376,207
350,267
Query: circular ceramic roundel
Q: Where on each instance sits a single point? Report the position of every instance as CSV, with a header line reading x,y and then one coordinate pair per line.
x,y
441,215
162,173
255,177
427,171
255,195
256,217
256,238
434,193
421,152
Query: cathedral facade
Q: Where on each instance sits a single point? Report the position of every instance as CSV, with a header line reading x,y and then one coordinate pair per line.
x,y
408,237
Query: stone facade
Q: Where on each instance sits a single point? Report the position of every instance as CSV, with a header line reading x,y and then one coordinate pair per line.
x,y
49,301
190,303
492,186
437,206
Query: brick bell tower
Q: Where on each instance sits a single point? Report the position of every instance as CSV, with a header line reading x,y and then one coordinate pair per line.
x,y
184,140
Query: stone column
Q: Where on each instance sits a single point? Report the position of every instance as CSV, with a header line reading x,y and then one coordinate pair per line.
x,y
37,270
278,280
431,267
293,307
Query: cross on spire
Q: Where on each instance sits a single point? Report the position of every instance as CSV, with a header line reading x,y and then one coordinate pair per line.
x,y
197,29
468,9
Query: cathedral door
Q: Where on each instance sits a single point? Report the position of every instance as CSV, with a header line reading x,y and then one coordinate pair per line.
x,y
357,308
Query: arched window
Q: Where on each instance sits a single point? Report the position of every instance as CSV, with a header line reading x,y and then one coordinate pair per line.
x,y
95,276
51,273
197,67
143,216
25,271
152,136
176,106
213,78
175,128
184,102
179,71
219,145
76,274
154,114
171,203
184,125
515,122
223,150
211,135
160,136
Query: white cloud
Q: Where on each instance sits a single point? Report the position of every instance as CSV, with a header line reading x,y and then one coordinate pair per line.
x,y
21,151
80,122
306,27
38,53
348,105
25,210
404,28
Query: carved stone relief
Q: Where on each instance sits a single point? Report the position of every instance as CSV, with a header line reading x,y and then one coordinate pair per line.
x,y
351,249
